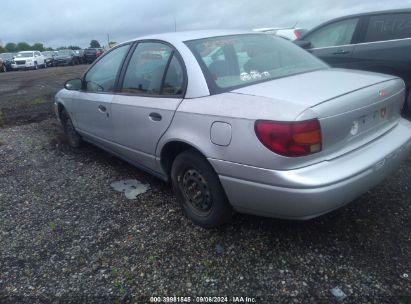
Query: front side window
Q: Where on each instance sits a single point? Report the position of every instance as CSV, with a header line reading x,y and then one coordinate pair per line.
x,y
146,68
388,27
230,62
102,76
335,34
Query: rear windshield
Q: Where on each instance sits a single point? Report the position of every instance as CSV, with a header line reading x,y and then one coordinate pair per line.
x,y
231,62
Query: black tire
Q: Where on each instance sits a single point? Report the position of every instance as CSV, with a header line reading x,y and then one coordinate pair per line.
x,y
73,138
4,68
199,191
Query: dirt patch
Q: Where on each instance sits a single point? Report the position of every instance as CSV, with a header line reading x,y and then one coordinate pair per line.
x,y
27,96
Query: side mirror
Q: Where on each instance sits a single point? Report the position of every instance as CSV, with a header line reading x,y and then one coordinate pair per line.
x,y
73,84
303,43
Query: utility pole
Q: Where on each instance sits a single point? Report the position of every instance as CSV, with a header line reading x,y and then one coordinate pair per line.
x,y
108,41
175,25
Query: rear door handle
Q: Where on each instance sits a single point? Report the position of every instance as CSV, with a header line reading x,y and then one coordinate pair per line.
x,y
102,108
341,52
154,116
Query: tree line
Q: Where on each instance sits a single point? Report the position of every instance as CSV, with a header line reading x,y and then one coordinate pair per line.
x,y
12,47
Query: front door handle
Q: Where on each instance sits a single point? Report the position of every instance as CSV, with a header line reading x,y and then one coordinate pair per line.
x,y
155,116
341,52
102,108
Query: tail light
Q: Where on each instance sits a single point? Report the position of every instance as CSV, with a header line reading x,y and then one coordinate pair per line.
x,y
297,34
290,139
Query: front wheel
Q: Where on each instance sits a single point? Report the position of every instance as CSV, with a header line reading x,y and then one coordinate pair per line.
x,y
74,139
199,191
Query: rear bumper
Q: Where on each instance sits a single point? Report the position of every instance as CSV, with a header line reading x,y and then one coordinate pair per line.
x,y
314,190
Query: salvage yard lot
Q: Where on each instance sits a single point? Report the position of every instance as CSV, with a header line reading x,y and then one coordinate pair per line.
x,y
65,234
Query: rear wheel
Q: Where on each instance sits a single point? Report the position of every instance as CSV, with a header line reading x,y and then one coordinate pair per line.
x,y
74,139
199,191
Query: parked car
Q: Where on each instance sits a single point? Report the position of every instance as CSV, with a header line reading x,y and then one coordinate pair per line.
x,y
80,56
287,33
6,59
65,57
49,58
377,41
28,60
266,128
92,54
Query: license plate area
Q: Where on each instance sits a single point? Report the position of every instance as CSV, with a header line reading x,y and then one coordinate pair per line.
x,y
373,119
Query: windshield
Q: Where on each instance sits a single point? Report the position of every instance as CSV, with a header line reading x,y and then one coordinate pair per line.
x,y
64,52
6,56
231,62
25,54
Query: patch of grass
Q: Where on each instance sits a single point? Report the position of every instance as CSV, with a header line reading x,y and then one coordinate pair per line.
x,y
53,226
212,241
38,100
153,258
115,271
206,263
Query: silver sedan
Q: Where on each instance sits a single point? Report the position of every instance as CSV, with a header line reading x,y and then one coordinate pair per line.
x,y
240,121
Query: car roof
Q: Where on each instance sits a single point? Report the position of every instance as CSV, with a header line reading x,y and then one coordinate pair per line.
x,y
178,37
395,11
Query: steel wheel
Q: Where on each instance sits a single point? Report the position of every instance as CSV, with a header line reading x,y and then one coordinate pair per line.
x,y
199,191
196,192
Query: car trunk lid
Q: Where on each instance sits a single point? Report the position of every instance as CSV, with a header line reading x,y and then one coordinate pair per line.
x,y
353,107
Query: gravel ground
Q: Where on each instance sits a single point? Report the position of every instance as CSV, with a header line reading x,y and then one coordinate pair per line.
x,y
66,236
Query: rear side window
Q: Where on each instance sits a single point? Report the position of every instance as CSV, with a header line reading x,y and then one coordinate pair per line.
x,y
335,34
388,27
153,70
174,78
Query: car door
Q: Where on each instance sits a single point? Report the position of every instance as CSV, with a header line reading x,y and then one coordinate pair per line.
x,y
91,107
333,43
150,92
386,45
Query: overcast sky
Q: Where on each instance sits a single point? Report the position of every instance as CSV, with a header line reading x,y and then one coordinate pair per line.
x,y
75,22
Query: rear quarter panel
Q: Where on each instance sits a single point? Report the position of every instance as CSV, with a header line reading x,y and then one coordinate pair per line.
x,y
193,120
